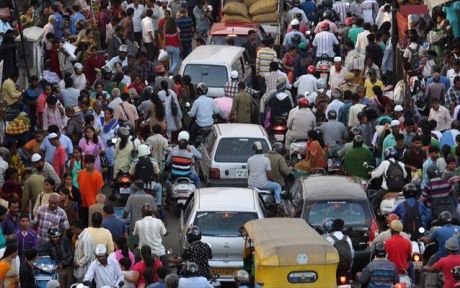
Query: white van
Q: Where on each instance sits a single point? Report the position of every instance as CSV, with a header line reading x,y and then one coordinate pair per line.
x,y
212,65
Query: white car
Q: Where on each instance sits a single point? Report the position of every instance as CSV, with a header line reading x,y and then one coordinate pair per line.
x,y
220,213
225,153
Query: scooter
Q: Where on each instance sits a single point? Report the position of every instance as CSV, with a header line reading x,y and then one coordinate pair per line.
x,y
181,190
390,201
323,66
44,270
122,188
279,128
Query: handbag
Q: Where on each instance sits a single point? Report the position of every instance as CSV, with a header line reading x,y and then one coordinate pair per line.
x,y
174,108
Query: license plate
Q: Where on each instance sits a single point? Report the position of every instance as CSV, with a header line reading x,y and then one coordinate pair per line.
x,y
241,173
324,75
223,271
344,286
279,137
124,190
418,265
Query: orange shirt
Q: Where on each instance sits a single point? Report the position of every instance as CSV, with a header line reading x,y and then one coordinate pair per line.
x,y
4,268
33,146
90,185
316,154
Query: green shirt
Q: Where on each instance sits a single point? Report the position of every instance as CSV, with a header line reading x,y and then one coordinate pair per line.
x,y
353,33
354,159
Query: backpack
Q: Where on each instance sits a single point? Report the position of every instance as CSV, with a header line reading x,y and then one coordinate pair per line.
x,y
394,176
144,170
412,220
441,204
344,250
414,59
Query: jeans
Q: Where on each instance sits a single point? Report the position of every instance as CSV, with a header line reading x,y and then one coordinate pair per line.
x,y
173,53
273,186
158,191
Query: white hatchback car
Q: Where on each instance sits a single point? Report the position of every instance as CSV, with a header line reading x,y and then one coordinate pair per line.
x,y
220,213
225,153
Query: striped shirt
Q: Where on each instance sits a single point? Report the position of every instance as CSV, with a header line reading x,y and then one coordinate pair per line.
x,y
181,160
324,43
264,56
438,188
379,273
356,10
341,8
185,25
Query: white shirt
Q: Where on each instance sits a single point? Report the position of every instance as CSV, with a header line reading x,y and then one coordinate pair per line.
x,y
79,81
194,282
111,64
3,167
324,42
148,31
451,75
150,231
108,275
362,42
442,117
456,110
334,105
337,78
353,114
382,171
370,10
115,103
354,60
137,16
339,235
16,265
305,83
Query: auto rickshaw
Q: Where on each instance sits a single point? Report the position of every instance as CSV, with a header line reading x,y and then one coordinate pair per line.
x,y
287,252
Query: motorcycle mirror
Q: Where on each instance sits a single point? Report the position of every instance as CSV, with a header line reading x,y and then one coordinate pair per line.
x,y
187,104
169,251
121,284
87,283
365,165
421,230
242,231
114,140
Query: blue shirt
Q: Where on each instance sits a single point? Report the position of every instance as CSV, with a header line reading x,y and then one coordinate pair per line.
x,y
424,212
73,22
4,26
442,234
308,7
50,149
448,137
58,26
444,80
116,226
203,109
428,162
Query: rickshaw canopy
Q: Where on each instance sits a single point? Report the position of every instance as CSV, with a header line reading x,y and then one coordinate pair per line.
x,y
289,242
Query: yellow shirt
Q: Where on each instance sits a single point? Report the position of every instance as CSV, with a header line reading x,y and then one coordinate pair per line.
x,y
368,86
9,92
101,236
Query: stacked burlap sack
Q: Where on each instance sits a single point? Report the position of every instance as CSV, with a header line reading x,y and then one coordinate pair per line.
x,y
258,11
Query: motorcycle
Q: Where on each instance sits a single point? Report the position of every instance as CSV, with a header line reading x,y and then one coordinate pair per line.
x,y
297,151
89,284
323,66
44,270
181,190
279,127
390,201
202,134
122,188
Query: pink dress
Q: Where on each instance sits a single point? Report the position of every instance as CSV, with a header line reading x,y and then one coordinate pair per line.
x,y
89,147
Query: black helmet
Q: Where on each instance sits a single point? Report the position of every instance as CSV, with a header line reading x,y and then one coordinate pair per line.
x,y
445,217
328,13
379,249
433,172
191,269
193,234
456,272
409,190
278,147
54,232
201,89
358,141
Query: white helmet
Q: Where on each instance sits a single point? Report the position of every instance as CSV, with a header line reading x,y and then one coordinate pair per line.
x,y
143,150
183,135
234,74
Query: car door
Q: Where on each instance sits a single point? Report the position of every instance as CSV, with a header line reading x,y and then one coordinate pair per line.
x,y
184,220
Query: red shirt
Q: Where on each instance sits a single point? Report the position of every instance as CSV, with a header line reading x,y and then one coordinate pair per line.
x,y
140,267
59,158
172,40
445,264
399,251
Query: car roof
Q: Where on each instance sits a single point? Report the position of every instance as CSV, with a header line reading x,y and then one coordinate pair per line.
x,y
227,199
214,55
236,28
229,130
332,188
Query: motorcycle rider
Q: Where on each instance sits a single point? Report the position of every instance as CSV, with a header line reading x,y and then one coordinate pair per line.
x,y
334,132
399,250
385,235
59,251
437,191
413,213
324,41
280,169
353,162
295,37
328,18
182,157
197,252
282,102
202,111
380,272
242,279
300,121
104,270
191,277
441,235
334,236
260,172
448,263
146,169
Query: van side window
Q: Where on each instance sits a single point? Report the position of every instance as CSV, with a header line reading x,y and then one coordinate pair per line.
x,y
209,141
188,210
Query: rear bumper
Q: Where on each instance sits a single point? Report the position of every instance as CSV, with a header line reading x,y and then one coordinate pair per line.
x,y
228,183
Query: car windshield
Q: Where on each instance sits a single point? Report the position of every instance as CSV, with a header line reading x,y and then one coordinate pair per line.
x,y
222,224
352,213
237,150
212,75
221,40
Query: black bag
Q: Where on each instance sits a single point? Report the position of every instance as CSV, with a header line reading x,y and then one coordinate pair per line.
x,y
412,220
144,170
344,250
174,108
439,205
394,177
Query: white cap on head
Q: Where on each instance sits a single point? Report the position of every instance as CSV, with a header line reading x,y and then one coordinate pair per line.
x,y
36,157
398,108
100,250
78,66
294,22
143,150
123,48
183,135
234,74
337,59
52,136
395,123
258,145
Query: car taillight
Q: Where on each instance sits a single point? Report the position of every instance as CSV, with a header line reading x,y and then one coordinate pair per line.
x,y
374,230
214,173
416,257
124,179
278,128
400,285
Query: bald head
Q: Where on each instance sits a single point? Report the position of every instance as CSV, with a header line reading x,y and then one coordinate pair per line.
x,y
53,201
